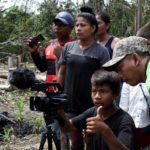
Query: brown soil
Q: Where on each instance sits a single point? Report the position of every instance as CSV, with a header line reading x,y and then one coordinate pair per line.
x,y
29,140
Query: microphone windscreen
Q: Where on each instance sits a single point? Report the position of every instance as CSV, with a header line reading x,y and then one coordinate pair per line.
x,y
22,78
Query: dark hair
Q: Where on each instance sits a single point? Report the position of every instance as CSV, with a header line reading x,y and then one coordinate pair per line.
x,y
140,53
87,9
109,78
144,31
143,54
105,17
88,14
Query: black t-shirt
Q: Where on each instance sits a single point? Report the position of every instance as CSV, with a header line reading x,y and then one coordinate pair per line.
x,y
121,123
80,65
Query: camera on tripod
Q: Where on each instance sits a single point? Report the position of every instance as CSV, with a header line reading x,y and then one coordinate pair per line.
x,y
51,101
24,78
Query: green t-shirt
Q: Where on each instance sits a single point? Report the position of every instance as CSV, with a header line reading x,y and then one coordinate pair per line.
x,y
148,77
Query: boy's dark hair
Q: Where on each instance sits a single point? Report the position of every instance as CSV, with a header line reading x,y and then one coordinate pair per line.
x,y
88,14
109,78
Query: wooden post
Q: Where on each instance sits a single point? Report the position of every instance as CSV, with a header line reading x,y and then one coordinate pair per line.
x,y
18,60
139,14
10,62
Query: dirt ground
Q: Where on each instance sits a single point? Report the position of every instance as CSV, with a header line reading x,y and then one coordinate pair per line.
x,y
8,103
28,141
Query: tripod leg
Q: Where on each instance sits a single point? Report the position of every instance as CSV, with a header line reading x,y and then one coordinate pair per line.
x,y
43,140
56,141
55,134
50,136
49,140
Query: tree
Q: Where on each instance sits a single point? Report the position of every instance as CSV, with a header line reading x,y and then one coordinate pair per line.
x,y
122,16
146,11
18,23
96,5
12,28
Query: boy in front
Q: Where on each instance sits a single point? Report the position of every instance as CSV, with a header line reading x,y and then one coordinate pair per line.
x,y
107,126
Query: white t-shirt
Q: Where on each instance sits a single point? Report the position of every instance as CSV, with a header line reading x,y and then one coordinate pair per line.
x,y
133,101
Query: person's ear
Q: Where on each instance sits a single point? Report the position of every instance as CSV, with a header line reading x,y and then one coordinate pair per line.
x,y
93,28
136,59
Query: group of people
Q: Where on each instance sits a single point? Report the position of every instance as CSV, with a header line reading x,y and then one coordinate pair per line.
x,y
92,115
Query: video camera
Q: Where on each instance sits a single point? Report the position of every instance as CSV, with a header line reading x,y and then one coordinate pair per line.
x,y
52,100
24,78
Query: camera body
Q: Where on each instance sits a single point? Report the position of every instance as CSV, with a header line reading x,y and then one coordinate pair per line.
x,y
51,101
35,40
24,78
48,103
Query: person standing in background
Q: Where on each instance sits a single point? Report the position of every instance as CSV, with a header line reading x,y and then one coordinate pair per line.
x,y
103,36
62,27
79,60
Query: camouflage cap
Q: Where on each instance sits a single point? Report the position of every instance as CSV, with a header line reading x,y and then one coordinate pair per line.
x,y
127,46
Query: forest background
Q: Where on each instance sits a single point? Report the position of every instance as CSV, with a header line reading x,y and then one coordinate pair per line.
x,y
18,22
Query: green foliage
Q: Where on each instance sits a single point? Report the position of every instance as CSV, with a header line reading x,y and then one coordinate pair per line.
x,y
12,30
39,121
17,24
146,12
20,108
122,17
7,135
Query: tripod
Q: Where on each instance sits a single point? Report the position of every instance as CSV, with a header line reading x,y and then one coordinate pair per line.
x,y
48,134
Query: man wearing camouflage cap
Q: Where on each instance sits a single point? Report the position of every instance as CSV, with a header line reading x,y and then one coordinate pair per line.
x,y
131,60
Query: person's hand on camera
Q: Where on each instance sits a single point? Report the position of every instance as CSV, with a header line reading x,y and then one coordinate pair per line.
x,y
35,48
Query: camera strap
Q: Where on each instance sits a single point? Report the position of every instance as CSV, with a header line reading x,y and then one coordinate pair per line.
x,y
146,98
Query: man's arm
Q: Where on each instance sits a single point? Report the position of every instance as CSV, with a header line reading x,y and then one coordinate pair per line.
x,y
112,141
61,74
64,122
39,61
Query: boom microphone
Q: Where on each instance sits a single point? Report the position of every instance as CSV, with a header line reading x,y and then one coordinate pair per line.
x,y
22,78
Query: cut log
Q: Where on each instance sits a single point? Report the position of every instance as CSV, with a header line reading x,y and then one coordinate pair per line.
x,y
4,76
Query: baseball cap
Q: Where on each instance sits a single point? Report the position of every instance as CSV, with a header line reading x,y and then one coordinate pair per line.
x,y
126,46
65,17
